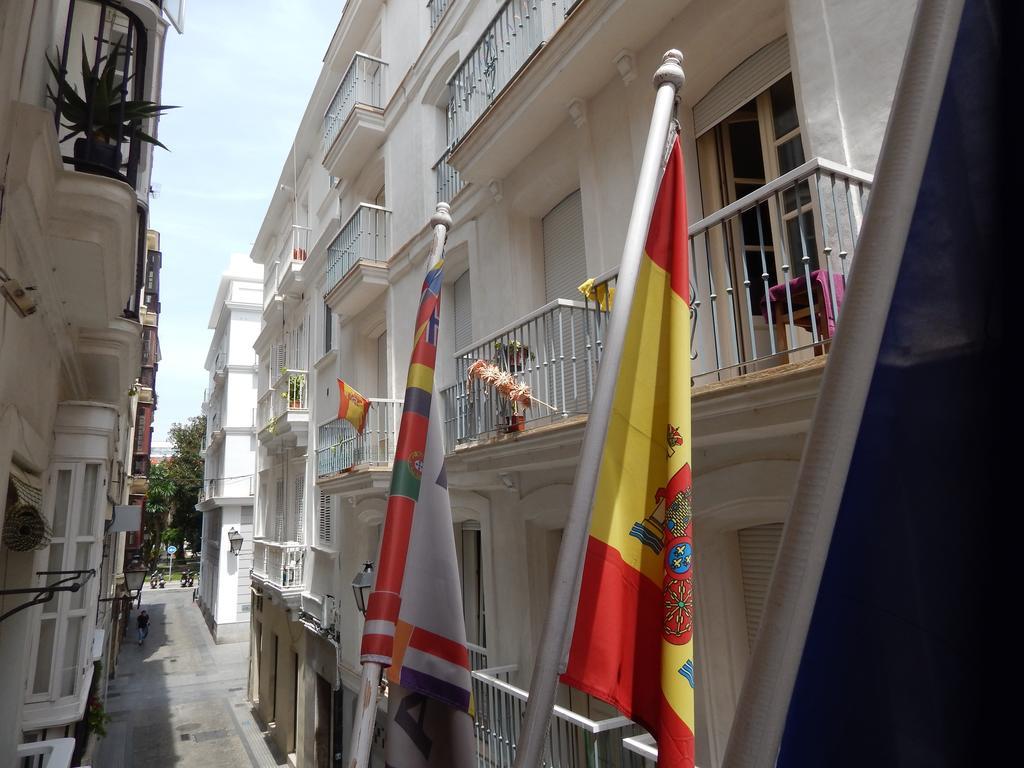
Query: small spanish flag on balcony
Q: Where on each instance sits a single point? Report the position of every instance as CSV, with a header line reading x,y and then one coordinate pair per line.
x,y
352,406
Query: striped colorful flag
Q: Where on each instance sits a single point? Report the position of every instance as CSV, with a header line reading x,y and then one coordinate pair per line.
x,y
633,641
414,621
352,406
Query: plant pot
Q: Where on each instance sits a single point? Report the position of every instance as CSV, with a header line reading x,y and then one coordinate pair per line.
x,y
516,422
94,156
298,254
294,405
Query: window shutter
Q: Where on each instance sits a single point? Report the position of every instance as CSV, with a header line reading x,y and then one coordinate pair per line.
x,y
565,260
463,313
279,512
382,365
750,78
324,521
279,360
758,547
300,512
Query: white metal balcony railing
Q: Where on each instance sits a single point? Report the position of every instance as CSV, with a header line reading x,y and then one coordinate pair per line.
x,y
364,237
280,563
437,9
447,179
220,364
363,83
300,243
290,394
751,263
518,29
213,487
552,350
339,447
753,260
292,255
572,739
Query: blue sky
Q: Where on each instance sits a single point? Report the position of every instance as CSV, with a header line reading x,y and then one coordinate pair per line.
x,y
242,73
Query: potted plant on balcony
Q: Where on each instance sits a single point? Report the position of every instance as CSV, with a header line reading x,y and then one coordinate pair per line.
x,y
100,113
509,358
512,356
296,381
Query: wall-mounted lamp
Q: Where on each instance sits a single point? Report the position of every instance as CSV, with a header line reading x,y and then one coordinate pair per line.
x,y
361,586
235,541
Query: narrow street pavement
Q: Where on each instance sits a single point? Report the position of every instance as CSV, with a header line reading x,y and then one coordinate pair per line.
x,y
179,699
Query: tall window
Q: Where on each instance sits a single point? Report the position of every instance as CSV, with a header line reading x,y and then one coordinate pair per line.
x,y
75,498
463,312
758,142
328,329
565,260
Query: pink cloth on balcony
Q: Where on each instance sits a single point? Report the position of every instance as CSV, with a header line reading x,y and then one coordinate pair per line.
x,y
798,294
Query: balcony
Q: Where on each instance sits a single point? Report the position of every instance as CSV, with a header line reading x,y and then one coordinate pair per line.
x,y
509,41
572,739
357,260
228,487
292,260
139,482
220,366
116,38
354,122
280,565
511,91
52,753
555,350
340,450
215,429
436,8
753,260
448,181
751,263
282,413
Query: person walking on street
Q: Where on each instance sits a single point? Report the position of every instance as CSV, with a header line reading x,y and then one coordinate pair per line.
x,y
142,622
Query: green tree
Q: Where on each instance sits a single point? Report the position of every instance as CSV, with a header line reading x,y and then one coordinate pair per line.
x,y
185,470
159,504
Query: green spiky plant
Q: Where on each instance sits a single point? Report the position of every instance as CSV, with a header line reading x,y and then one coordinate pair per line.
x,y
100,113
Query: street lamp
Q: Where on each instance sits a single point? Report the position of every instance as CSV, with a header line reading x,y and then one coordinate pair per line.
x,y
134,578
361,586
235,540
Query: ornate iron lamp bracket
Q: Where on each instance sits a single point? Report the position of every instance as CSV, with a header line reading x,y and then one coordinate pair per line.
x,y
67,583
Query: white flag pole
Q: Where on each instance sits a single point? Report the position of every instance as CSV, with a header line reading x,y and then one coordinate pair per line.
x,y
566,583
764,700
366,714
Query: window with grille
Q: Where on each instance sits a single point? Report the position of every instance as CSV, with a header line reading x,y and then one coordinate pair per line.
x,y
324,529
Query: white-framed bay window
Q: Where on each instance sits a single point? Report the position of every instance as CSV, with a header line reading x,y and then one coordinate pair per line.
x,y
61,667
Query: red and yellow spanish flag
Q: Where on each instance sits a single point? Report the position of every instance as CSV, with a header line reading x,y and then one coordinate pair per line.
x,y
352,406
633,641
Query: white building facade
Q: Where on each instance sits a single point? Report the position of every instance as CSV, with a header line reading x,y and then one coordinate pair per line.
x,y
530,119
230,451
76,272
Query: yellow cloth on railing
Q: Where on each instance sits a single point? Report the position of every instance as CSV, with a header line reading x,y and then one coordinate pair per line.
x,y
603,294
